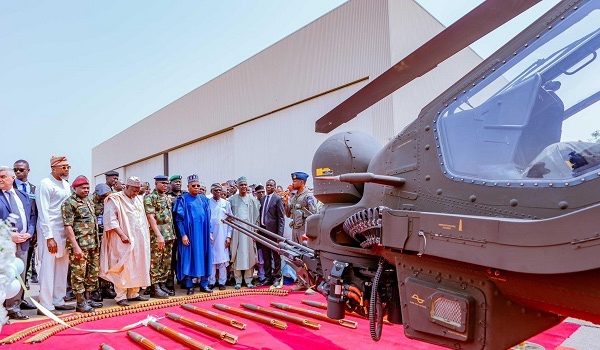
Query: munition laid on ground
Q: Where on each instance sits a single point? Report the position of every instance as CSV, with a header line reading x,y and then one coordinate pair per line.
x,y
315,304
105,346
283,316
214,316
317,315
178,337
251,316
204,328
143,341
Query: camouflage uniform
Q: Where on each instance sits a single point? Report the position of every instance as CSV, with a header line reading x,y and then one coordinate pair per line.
x,y
160,260
79,214
301,205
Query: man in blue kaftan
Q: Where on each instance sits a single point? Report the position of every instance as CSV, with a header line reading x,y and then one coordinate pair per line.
x,y
192,218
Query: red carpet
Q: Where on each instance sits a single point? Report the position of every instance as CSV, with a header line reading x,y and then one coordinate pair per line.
x,y
255,336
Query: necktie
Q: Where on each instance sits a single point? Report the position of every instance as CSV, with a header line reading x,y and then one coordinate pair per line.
x,y
14,208
264,209
23,187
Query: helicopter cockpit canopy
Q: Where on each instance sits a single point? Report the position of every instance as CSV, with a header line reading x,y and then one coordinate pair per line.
x,y
536,116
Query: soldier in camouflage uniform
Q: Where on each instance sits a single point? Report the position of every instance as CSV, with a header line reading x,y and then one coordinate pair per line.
x,y
83,244
174,192
159,212
301,205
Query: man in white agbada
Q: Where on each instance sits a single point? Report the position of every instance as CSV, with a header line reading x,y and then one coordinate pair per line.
x,y
52,256
220,235
125,251
243,248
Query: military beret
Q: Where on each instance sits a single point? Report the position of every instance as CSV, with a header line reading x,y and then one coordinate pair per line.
x,y
161,178
102,189
80,180
175,177
299,175
111,173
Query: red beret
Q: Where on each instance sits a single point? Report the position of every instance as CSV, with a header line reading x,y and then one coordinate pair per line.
x,y
80,180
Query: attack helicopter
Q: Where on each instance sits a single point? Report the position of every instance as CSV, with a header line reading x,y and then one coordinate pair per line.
x,y
476,227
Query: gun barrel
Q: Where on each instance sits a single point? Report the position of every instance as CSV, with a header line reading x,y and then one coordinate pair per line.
x,y
271,234
255,236
143,341
178,337
204,328
283,316
214,316
317,315
251,316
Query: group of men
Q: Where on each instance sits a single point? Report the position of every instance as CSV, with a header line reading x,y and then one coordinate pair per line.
x,y
125,239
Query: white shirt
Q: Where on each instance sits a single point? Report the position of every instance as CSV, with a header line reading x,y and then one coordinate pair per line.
x,y
20,207
51,194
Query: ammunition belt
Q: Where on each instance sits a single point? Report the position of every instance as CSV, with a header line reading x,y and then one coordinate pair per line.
x,y
365,226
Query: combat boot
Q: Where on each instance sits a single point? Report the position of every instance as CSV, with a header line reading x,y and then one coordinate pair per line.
x,y
156,292
164,287
82,305
96,296
91,302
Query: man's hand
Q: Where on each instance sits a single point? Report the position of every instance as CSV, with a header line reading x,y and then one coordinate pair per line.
x,y
52,246
185,240
17,237
160,242
78,253
227,242
124,239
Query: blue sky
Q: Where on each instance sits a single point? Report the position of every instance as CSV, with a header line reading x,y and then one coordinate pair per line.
x,y
76,73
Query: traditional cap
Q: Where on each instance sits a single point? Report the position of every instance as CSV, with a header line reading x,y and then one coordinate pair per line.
x,y
111,173
259,188
202,185
102,189
175,177
192,178
231,182
58,160
299,175
80,180
216,186
161,178
242,180
133,181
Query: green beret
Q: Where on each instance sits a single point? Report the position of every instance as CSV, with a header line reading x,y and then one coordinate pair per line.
x,y
175,177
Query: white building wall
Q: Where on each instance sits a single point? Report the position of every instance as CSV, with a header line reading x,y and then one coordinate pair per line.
x,y
211,159
146,170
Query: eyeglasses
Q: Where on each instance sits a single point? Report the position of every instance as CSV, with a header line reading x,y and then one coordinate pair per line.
x,y
64,167
20,170
194,186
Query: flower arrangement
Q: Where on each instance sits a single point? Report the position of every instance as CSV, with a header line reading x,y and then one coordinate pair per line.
x,y
7,267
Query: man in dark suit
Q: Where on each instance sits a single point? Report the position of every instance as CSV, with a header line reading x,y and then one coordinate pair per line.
x,y
14,201
272,218
21,168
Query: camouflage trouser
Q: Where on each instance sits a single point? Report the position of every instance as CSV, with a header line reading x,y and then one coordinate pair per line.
x,y
160,261
84,272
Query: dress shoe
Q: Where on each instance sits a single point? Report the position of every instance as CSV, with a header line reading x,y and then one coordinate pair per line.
x,y
167,290
123,302
108,293
222,287
69,297
147,291
238,286
54,312
64,307
206,289
139,298
251,286
25,305
96,296
157,292
17,315
190,291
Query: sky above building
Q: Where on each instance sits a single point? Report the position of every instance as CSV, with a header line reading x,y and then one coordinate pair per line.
x,y
75,73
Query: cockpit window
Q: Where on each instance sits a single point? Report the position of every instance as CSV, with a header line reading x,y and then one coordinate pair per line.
x,y
534,118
